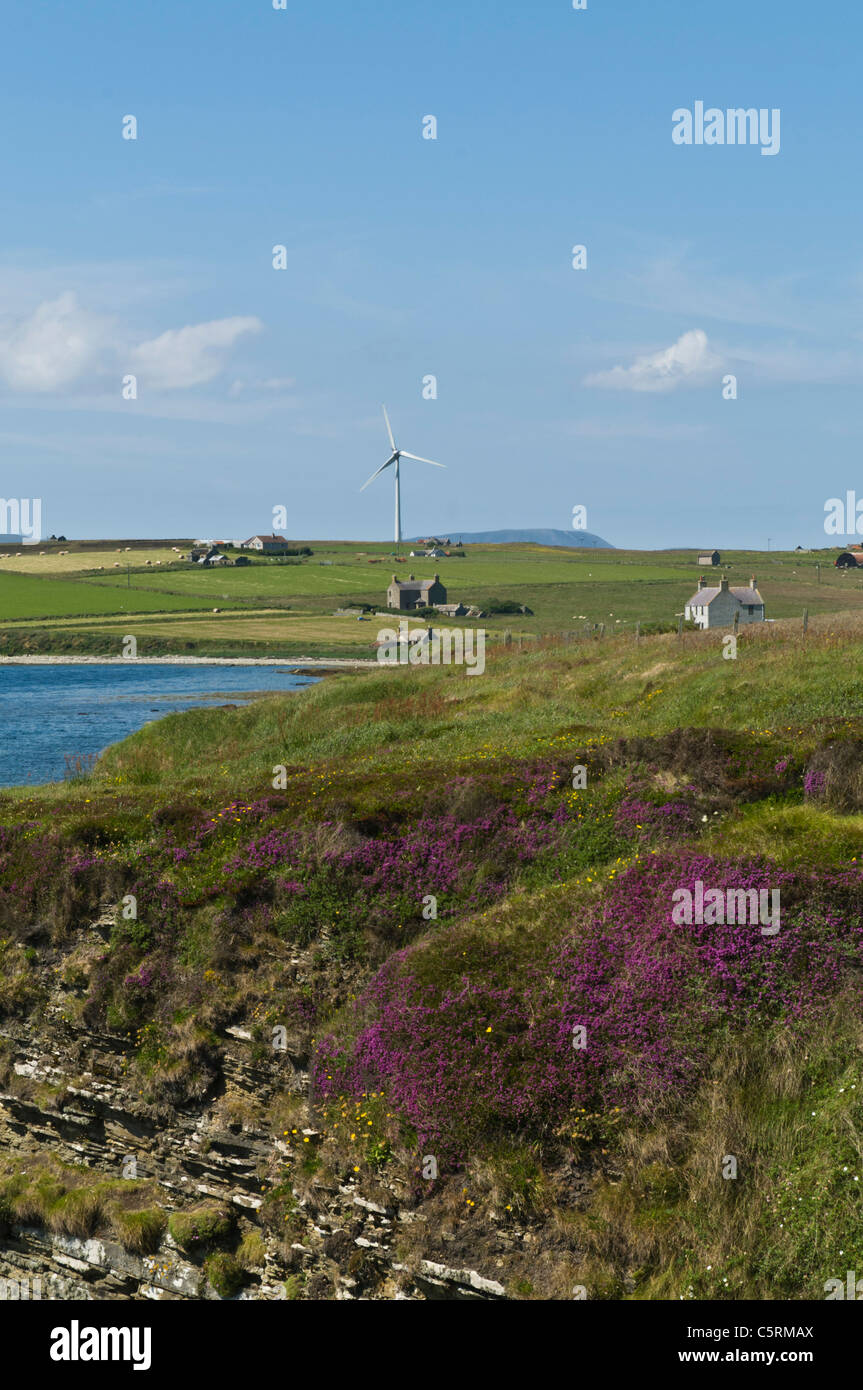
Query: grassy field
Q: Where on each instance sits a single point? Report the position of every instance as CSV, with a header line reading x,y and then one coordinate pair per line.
x,y
23,596
262,632
565,591
59,561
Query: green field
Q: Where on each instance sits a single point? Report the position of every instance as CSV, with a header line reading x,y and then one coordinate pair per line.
x,y
565,591
29,596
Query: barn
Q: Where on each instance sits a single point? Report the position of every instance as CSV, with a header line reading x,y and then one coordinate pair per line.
x,y
849,559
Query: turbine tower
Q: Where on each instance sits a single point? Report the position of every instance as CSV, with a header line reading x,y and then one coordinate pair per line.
x,y
394,458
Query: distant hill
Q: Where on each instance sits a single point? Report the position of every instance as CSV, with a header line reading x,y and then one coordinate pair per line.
x,y
579,540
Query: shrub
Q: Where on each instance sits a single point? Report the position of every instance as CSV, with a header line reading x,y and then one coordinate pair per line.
x,y
252,1252
224,1274
834,775
140,1231
203,1226
484,1048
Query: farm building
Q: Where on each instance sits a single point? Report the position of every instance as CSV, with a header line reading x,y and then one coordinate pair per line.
x,y
709,557
718,605
270,545
849,558
414,593
213,557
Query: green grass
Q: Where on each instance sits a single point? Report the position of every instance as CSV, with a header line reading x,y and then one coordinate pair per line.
x,y
565,591
29,596
203,1226
545,700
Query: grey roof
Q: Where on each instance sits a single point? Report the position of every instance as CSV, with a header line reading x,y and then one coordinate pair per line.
x,y
702,597
705,596
414,583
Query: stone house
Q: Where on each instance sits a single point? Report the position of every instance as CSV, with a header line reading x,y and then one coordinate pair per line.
x,y
414,593
717,606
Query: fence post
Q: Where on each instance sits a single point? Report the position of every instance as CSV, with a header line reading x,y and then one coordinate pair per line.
x,y
680,624
507,638
637,631
601,631
805,619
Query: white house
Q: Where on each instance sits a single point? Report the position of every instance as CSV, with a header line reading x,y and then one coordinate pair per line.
x,y
717,605
270,545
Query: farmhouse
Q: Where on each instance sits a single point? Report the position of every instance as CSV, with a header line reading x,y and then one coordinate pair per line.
x,y
717,606
270,545
709,557
414,593
213,557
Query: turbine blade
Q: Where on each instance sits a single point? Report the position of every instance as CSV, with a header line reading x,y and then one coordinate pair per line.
x,y
419,459
389,429
375,474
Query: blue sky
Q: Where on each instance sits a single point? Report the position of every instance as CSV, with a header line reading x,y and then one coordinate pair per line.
x,y
408,257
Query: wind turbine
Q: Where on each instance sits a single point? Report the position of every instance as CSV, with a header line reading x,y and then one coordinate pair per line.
x,y
395,457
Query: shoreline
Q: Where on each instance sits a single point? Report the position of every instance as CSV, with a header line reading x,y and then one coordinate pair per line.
x,y
298,667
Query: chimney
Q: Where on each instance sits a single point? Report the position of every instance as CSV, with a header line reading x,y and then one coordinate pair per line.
x,y
411,576
723,584
437,578
701,581
395,581
752,581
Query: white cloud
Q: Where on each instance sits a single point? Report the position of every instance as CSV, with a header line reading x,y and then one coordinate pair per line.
x,y
60,345
688,360
190,356
53,346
